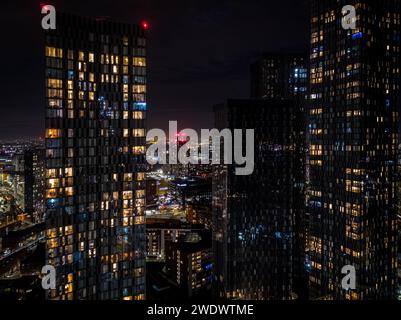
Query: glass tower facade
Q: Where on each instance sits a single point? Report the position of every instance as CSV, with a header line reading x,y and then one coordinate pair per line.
x,y
256,231
353,133
95,158
278,75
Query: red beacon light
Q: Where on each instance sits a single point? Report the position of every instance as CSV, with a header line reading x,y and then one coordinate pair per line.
x,y
145,25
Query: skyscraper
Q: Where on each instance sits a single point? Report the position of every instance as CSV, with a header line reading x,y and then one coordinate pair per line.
x,y
353,134
279,75
95,158
255,216
34,182
285,76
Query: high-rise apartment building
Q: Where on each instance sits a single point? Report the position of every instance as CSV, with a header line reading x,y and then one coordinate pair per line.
x,y
189,264
279,75
34,167
285,76
95,158
353,133
255,217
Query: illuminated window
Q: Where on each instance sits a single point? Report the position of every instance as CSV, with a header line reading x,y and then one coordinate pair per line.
x,y
51,173
54,83
68,172
54,52
128,177
81,56
139,89
53,133
127,195
91,57
69,192
70,85
51,194
139,62
139,220
53,183
138,150
140,194
139,133
138,115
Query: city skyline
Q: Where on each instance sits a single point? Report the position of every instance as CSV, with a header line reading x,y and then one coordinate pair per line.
x,y
306,206
183,80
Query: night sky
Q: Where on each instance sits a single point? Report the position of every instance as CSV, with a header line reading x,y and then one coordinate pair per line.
x,y
199,53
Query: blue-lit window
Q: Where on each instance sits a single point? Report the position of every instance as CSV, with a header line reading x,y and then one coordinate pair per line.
x,y
357,35
209,266
140,106
53,203
70,75
317,204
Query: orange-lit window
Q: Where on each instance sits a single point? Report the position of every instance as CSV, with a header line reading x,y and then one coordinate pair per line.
x,y
69,192
139,220
140,203
53,133
54,52
81,56
54,83
139,62
139,133
140,194
51,173
138,115
51,194
68,172
52,243
138,150
127,195
139,89
128,177
53,183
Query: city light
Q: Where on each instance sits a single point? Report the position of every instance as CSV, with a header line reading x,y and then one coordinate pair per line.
x,y
145,25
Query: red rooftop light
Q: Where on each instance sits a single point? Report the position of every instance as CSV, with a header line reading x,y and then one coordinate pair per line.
x,y
145,25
